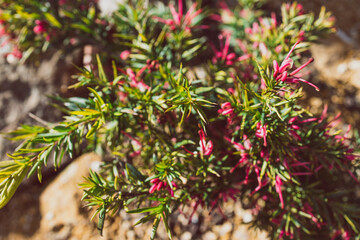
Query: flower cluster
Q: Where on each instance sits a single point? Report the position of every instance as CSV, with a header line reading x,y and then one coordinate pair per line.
x,y
12,52
281,72
33,27
158,185
179,21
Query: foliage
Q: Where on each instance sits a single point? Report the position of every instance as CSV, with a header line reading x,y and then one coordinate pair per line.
x,y
178,136
33,27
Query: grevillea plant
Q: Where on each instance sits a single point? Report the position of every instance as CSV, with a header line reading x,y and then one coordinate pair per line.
x,y
185,119
32,27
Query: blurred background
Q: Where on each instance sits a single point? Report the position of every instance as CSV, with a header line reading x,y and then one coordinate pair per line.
x,y
33,214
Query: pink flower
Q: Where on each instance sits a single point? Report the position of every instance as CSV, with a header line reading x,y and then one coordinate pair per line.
x,y
179,20
255,28
264,50
171,189
215,17
135,143
153,188
158,185
264,23
243,153
2,31
309,210
40,26
278,48
295,135
198,202
345,235
226,109
135,82
225,8
73,40
244,158
229,193
17,53
264,154
205,147
301,35
238,146
38,29
14,56
281,72
125,54
247,142
231,90
122,95
278,184
273,20
300,8
223,55
296,6
261,132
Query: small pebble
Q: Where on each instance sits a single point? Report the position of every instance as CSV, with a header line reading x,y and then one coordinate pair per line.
x,y
247,217
186,236
225,228
209,236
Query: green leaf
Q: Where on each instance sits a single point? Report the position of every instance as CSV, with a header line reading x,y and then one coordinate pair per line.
x,y
81,27
264,75
182,143
213,172
155,226
222,92
167,228
31,150
97,96
351,223
39,174
26,55
263,169
301,213
57,161
34,168
61,129
91,13
70,146
134,172
8,163
50,135
68,14
93,129
200,90
85,112
100,225
102,74
146,218
188,54
147,209
45,155
12,184
6,172
52,20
